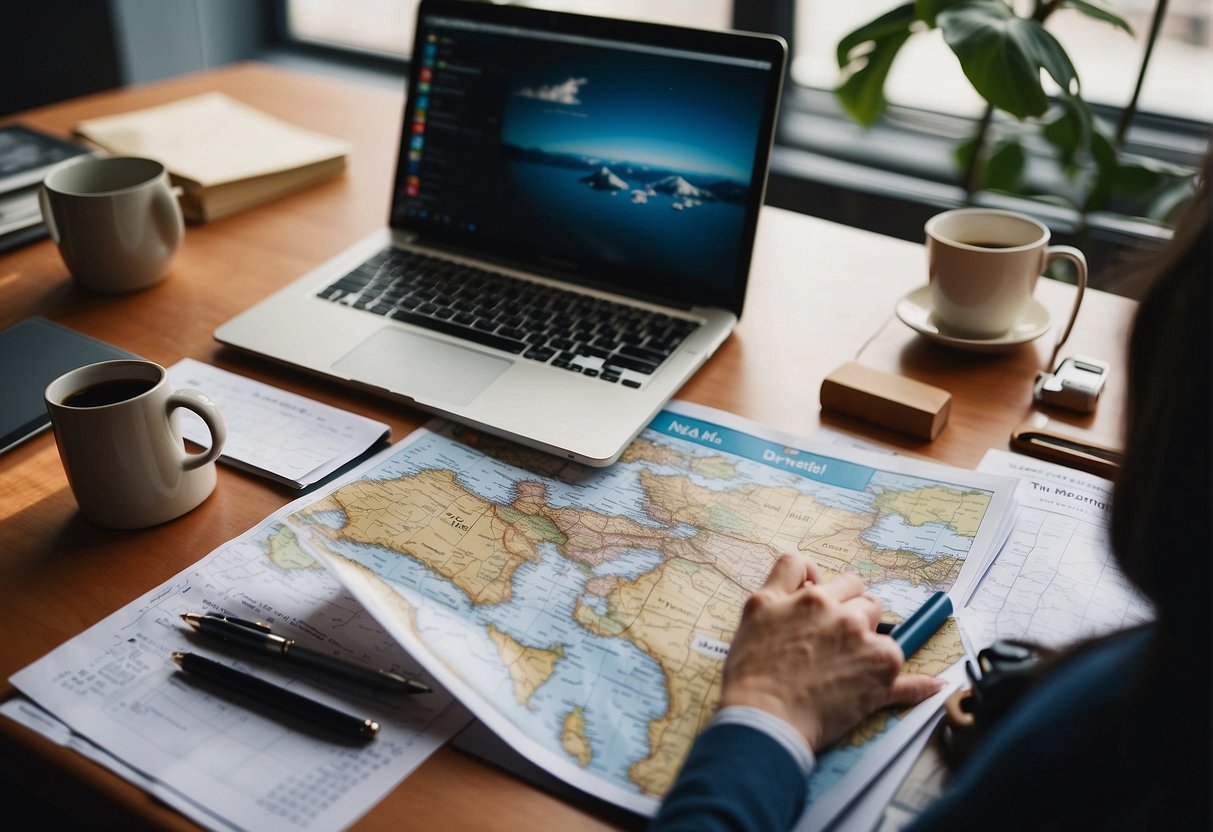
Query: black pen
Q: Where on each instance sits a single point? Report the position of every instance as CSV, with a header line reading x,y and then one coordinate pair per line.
x,y
257,636
280,699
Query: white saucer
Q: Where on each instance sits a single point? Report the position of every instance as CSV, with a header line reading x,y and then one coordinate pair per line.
x,y
915,312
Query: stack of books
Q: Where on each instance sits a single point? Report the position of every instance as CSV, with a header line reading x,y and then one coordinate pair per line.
x,y
225,155
26,155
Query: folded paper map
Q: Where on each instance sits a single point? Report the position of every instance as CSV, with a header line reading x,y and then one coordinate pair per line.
x,y
584,614
225,155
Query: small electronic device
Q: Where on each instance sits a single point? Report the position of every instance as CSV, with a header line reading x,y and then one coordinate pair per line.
x,y
1075,384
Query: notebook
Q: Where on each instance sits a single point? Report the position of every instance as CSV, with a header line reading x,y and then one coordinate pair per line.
x,y
570,234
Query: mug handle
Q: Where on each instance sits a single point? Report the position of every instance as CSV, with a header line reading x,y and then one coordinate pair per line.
x,y
48,216
1080,267
201,404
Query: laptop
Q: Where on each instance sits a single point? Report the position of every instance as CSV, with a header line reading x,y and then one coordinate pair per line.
x,y
570,233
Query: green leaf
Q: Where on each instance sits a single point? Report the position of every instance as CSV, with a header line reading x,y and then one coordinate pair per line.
x,y
1070,132
861,95
888,24
1005,167
963,154
1103,153
1002,55
1099,13
1133,180
1104,156
928,10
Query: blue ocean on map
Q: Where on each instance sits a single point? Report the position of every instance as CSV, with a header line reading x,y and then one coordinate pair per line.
x,y
930,540
619,688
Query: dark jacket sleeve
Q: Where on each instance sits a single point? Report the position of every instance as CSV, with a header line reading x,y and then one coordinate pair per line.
x,y
1094,746
735,778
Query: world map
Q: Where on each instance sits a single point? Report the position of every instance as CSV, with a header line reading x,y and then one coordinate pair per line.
x,y
585,614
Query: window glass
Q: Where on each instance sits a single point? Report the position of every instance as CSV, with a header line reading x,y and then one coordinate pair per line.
x,y
702,14
383,27
386,26
926,75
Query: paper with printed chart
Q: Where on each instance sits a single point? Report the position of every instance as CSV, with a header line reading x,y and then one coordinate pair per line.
x,y
113,694
584,614
1055,581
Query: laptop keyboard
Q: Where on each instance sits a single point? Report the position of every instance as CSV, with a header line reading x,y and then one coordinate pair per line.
x,y
575,332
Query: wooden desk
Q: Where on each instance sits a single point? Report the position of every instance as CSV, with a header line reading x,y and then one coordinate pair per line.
x,y
819,291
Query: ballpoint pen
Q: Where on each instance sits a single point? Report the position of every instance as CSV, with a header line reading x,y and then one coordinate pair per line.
x,y
257,636
277,698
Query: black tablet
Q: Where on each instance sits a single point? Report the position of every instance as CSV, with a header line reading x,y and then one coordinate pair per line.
x,y
33,353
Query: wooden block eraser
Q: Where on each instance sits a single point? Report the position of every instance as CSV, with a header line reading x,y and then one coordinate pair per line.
x,y
887,399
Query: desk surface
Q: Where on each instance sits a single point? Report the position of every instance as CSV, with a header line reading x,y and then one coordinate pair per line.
x,y
819,295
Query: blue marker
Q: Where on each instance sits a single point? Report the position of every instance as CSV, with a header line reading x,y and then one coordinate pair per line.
x,y
926,620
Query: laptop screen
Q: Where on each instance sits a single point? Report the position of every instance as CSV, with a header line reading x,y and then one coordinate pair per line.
x,y
621,155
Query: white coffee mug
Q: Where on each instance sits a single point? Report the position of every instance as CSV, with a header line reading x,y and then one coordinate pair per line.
x,y
983,266
116,220
126,462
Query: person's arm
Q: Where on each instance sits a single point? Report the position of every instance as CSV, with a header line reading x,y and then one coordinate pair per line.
x,y
748,770
807,654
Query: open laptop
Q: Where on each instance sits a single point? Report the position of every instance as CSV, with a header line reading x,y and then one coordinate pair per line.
x,y
570,233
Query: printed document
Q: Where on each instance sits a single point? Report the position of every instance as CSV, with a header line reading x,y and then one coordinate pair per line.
x,y
214,758
1055,582
288,438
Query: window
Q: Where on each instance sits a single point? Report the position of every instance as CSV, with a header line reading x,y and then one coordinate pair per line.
x,y
891,177
1107,59
378,27
385,27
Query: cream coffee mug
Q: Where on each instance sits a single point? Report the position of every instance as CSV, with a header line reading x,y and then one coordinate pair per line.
x,y
983,265
115,219
125,459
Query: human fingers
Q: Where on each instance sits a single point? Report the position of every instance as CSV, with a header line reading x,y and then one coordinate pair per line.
x,y
912,688
791,571
843,587
872,607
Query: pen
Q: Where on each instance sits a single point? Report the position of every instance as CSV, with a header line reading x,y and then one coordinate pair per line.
x,y
926,620
276,697
257,636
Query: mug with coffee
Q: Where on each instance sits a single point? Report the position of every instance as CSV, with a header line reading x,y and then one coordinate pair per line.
x,y
983,265
116,220
117,435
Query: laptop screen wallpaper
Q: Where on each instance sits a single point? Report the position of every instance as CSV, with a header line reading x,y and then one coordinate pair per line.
x,y
626,166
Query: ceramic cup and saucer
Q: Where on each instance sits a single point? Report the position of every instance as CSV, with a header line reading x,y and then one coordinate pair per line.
x,y
917,312
983,266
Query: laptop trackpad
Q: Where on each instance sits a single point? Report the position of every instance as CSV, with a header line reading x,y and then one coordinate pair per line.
x,y
422,368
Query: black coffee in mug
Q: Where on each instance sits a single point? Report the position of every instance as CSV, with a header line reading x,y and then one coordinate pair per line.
x,y
109,392
984,244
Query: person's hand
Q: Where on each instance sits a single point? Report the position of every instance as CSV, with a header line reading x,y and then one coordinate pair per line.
x,y
808,652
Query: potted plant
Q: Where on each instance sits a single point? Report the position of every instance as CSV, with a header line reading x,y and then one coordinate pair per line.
x,y
1005,56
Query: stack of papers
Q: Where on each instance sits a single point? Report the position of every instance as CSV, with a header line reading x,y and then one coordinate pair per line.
x,y
113,694
290,439
225,155
583,615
